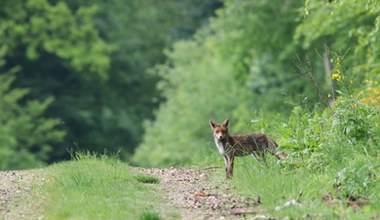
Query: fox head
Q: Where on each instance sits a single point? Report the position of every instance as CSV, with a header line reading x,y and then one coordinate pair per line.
x,y
220,130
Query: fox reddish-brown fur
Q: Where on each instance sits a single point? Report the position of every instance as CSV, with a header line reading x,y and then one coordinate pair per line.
x,y
230,146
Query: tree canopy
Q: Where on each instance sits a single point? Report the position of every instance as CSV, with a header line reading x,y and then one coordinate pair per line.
x,y
86,65
266,57
144,77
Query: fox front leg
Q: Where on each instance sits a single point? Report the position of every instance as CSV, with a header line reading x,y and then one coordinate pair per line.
x,y
232,165
229,161
226,164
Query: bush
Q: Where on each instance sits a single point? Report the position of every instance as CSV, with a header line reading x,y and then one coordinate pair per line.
x,y
358,181
320,137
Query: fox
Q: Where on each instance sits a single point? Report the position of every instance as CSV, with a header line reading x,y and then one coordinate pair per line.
x,y
229,146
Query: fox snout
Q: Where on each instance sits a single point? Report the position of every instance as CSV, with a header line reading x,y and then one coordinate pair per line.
x,y
220,136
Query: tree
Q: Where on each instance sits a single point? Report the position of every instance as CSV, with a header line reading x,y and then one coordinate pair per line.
x,y
139,31
349,30
196,89
237,65
59,54
26,136
92,57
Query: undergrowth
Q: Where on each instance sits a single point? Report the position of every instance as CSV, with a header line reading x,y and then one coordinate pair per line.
x,y
333,163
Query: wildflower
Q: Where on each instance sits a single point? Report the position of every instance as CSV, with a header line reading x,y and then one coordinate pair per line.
x,y
337,75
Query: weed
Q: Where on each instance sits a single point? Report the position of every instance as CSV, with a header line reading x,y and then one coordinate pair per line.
x,y
147,179
81,179
357,182
148,215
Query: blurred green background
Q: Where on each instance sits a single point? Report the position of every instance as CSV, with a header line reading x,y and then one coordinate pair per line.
x,y
143,77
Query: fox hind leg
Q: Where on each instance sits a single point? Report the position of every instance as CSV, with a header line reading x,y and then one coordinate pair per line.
x,y
260,157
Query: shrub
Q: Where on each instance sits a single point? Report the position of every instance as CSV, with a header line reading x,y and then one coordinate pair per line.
x,y
357,182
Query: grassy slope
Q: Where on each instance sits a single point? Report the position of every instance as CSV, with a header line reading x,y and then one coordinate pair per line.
x,y
333,160
103,188
276,187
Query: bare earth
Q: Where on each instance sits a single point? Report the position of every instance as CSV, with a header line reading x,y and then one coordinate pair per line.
x,y
189,193
15,195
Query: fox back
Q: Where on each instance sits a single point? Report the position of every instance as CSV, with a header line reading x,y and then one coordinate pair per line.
x,y
255,143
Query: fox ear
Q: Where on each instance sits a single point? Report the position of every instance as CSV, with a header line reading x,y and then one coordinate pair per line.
x,y
226,122
212,124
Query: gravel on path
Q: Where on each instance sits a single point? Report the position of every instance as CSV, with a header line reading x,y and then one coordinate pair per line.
x,y
195,196
16,200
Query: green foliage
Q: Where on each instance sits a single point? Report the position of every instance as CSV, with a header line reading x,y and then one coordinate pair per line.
x,y
356,121
256,38
332,165
196,90
247,57
26,136
139,30
42,27
57,52
332,159
348,26
317,139
358,182
226,71
92,58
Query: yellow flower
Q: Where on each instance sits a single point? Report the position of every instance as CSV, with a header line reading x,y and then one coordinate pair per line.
x,y
337,75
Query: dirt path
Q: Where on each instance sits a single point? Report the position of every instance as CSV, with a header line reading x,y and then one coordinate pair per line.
x,y
15,195
191,193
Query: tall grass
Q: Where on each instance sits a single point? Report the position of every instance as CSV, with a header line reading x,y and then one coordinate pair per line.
x,y
99,187
303,193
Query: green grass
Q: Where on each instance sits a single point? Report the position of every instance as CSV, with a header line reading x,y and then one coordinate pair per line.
x,y
147,179
99,188
276,186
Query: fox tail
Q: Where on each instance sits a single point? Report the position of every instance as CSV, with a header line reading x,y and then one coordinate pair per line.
x,y
273,148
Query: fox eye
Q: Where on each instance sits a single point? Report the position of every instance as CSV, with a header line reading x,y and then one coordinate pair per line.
x,y
220,131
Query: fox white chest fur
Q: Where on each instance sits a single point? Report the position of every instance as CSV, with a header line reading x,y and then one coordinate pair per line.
x,y
220,145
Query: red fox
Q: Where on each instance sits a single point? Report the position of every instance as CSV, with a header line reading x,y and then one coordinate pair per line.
x,y
241,145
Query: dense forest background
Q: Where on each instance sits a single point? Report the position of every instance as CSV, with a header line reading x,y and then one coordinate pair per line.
x,y
142,78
